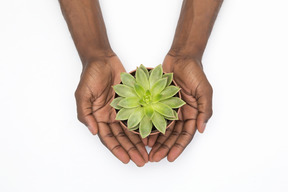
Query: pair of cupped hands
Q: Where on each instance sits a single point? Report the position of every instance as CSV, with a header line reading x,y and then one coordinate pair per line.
x,y
95,93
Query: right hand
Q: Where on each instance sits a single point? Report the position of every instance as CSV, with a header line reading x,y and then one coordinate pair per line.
x,y
93,96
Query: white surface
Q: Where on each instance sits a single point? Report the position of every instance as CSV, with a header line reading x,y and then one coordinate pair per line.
x,y
44,148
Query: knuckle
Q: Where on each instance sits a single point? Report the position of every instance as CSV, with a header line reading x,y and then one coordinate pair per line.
x,y
131,149
139,143
180,146
109,135
76,93
164,146
121,134
186,134
175,133
116,147
80,118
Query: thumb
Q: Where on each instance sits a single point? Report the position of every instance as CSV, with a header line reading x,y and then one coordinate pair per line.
x,y
204,108
85,113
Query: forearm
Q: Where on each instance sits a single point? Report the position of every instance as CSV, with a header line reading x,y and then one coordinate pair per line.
x,y
194,27
86,25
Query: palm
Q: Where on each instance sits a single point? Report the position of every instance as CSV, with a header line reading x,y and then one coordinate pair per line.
x,y
97,80
189,76
197,93
94,95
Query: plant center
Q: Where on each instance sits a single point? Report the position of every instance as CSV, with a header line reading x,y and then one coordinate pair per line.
x,y
147,97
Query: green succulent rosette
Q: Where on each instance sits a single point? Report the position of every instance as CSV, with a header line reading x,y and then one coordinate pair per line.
x,y
147,100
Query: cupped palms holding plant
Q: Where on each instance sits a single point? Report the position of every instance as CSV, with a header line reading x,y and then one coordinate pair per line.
x,y
147,100
93,96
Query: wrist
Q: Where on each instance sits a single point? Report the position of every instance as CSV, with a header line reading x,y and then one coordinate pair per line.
x,y
96,55
193,53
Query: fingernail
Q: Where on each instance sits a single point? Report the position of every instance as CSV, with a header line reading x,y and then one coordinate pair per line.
x,y
203,127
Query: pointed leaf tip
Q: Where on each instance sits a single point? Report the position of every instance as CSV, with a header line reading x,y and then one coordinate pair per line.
x,y
159,86
115,102
159,122
124,90
145,126
127,79
169,91
169,77
129,102
124,114
142,78
135,117
145,70
163,109
155,75
174,102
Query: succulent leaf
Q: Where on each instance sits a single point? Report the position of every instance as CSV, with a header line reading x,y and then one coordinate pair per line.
x,y
115,102
159,122
127,79
169,91
146,100
156,98
129,102
149,111
145,70
145,126
135,118
173,102
169,77
124,90
142,102
158,86
163,109
173,118
142,79
139,90
134,128
155,75
124,113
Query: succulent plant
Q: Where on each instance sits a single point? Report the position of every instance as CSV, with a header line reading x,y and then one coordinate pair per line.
x,y
147,100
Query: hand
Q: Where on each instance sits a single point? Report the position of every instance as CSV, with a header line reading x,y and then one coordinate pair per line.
x,y
94,95
197,93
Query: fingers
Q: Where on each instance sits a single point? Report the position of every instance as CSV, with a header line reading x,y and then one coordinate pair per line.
x,y
204,108
160,140
85,115
145,141
161,150
187,134
152,139
125,142
108,139
136,140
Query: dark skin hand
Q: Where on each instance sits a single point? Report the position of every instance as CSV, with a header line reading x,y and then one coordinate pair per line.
x,y
197,93
184,60
101,70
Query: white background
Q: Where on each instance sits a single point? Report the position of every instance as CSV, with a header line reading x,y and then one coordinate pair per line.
x,y
44,148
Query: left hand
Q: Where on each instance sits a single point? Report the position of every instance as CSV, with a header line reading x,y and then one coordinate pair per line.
x,y
196,91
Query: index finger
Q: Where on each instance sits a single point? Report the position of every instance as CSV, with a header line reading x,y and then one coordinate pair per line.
x,y
187,134
108,139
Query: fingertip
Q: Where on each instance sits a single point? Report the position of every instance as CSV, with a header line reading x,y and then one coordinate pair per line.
x,y
124,158
150,157
201,127
145,156
93,131
152,139
145,141
173,154
125,161
157,158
